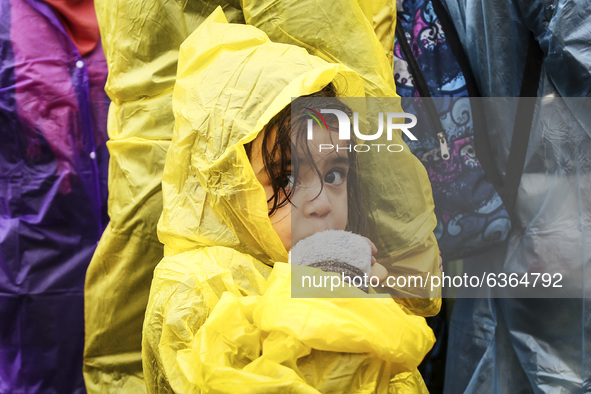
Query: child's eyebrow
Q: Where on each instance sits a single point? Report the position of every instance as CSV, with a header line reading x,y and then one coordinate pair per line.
x,y
339,160
278,166
332,159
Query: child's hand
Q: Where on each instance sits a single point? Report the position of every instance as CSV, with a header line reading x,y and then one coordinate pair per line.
x,y
374,250
376,268
380,271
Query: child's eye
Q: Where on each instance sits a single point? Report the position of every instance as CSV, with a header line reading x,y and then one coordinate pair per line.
x,y
290,181
335,176
287,182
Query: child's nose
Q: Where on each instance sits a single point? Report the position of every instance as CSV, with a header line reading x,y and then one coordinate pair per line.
x,y
318,204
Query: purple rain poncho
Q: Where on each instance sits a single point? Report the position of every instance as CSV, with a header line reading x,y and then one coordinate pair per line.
x,y
53,171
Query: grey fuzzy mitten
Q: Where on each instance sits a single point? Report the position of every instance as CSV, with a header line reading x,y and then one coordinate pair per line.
x,y
334,251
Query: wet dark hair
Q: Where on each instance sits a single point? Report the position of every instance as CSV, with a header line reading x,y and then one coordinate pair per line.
x,y
277,158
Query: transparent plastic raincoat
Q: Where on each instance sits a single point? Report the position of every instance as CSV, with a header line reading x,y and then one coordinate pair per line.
x,y
220,316
500,345
141,46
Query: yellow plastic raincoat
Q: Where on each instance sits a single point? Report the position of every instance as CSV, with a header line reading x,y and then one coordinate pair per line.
x,y
219,317
141,41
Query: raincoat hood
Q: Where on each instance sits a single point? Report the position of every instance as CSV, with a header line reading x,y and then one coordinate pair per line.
x,y
211,194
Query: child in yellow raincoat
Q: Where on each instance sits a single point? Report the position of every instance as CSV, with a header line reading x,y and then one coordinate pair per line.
x,y
220,317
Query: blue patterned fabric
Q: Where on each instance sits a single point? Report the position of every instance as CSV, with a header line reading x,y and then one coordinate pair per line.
x,y
470,213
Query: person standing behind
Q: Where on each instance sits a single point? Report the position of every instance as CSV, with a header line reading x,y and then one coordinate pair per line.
x,y
53,188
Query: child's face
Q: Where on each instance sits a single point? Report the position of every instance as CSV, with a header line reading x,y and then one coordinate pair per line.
x,y
316,205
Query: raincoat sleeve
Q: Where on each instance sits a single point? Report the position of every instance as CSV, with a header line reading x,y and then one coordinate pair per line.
x,y
215,339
